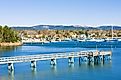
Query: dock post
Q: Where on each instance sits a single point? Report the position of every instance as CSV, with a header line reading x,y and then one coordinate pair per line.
x,y
10,66
102,57
33,64
96,59
85,59
109,57
53,62
89,59
79,60
92,59
71,60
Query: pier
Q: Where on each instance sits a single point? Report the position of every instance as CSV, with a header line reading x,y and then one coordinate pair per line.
x,y
84,56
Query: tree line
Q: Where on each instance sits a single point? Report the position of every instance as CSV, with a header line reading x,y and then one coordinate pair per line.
x,y
8,35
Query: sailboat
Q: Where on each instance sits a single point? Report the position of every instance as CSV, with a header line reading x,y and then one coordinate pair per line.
x,y
111,39
119,39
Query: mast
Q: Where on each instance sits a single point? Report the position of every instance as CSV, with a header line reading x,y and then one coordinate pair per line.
x,y
112,32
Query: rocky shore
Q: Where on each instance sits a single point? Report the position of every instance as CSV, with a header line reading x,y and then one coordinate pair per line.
x,y
10,44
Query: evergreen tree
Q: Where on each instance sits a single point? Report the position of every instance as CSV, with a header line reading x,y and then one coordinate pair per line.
x,y
8,35
1,33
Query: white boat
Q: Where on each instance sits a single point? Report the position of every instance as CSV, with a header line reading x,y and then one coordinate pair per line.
x,y
99,40
91,40
46,41
119,39
95,40
30,40
54,41
81,40
67,39
111,39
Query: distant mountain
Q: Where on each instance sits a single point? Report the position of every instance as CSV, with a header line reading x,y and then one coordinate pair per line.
x,y
61,27
109,27
22,28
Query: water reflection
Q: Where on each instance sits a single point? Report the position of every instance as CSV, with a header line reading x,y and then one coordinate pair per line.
x,y
34,71
8,48
54,68
10,75
83,65
8,51
71,65
96,64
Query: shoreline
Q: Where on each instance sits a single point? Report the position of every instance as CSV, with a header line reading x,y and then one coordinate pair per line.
x,y
10,44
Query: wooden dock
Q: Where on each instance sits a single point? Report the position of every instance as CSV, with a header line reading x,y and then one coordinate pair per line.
x,y
88,56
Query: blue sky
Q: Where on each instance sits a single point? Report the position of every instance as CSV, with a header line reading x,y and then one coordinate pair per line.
x,y
60,12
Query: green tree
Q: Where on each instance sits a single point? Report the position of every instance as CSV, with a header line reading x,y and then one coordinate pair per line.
x,y
1,33
8,35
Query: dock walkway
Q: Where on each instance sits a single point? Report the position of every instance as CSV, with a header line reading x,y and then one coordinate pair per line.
x,y
89,56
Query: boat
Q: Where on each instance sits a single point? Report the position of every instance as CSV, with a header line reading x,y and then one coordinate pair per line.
x,y
99,40
95,40
76,39
82,40
111,39
67,39
119,39
90,40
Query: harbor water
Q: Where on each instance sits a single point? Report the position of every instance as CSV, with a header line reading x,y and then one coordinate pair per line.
x,y
62,70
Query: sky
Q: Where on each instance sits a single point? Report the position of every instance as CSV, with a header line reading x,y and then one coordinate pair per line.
x,y
60,12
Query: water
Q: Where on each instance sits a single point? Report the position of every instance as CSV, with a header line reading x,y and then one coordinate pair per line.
x,y
62,71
